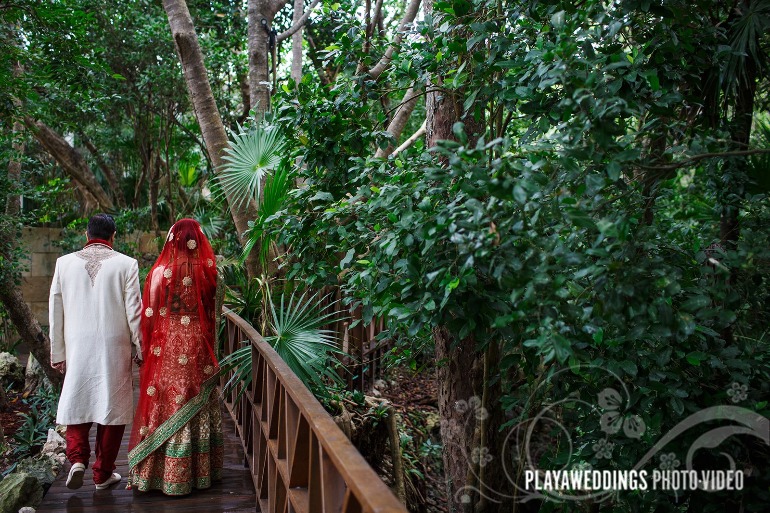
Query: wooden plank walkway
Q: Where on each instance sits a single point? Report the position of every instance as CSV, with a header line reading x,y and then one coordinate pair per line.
x,y
234,494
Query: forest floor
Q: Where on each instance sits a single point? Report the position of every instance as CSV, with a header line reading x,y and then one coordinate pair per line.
x,y
11,418
414,396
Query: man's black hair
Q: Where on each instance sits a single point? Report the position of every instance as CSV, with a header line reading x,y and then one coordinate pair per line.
x,y
101,226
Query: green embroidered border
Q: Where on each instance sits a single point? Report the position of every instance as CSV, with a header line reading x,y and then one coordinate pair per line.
x,y
173,424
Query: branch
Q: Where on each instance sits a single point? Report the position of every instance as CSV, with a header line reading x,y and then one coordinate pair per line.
x,y
70,160
702,156
397,125
409,16
419,133
298,25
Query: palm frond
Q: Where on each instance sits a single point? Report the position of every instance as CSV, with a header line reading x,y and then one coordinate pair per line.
x,y
252,155
273,199
299,338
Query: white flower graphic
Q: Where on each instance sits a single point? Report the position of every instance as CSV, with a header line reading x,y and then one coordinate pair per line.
x,y
167,273
208,369
187,281
179,399
151,390
209,262
182,359
612,420
737,392
185,320
474,405
156,350
143,430
163,311
148,312
668,461
481,456
191,244
603,449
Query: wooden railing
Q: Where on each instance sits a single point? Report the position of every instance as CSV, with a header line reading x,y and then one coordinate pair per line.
x,y
299,459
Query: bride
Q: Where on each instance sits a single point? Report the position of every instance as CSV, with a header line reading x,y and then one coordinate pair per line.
x,y
176,441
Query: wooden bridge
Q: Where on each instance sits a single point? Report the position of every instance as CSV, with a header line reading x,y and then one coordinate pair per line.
x,y
283,454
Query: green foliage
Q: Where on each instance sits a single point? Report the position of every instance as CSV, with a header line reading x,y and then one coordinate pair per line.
x,y
298,334
537,236
32,434
251,156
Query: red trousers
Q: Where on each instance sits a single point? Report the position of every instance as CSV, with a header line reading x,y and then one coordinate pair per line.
x,y
108,439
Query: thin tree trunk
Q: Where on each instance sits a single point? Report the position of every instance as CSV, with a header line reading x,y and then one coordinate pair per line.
x,y
154,167
400,119
459,379
70,160
112,180
409,15
296,42
213,130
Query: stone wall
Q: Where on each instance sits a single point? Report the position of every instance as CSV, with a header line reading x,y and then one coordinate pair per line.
x,y
42,253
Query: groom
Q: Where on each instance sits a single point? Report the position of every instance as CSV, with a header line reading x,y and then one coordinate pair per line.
x,y
94,312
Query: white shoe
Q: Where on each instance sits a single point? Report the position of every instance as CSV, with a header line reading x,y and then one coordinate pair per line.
x,y
114,478
75,477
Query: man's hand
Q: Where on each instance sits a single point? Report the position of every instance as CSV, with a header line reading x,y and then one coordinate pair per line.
x,y
60,366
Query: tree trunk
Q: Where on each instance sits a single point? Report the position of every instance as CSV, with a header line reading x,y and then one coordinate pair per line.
x,y
112,180
29,330
260,15
296,42
213,130
459,379
70,160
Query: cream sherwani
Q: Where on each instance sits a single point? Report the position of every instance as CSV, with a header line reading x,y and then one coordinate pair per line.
x,y
94,312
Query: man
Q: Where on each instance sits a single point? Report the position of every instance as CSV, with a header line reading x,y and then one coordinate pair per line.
x,y
94,312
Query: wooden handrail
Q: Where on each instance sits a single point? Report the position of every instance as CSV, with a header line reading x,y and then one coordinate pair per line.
x,y
300,460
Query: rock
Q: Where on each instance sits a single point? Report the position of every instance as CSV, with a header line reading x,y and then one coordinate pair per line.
x,y
380,384
18,490
375,393
55,447
44,468
10,369
27,509
34,376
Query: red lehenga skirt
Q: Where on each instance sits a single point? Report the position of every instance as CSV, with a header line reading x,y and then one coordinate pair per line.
x,y
178,424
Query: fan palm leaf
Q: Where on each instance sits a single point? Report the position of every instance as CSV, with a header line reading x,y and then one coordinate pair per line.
x,y
252,155
298,336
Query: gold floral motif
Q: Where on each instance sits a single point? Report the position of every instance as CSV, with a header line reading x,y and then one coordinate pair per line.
x,y
163,311
191,244
179,399
208,369
94,255
183,359
209,262
185,320
156,350
143,430
167,273
149,311
151,390
187,281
